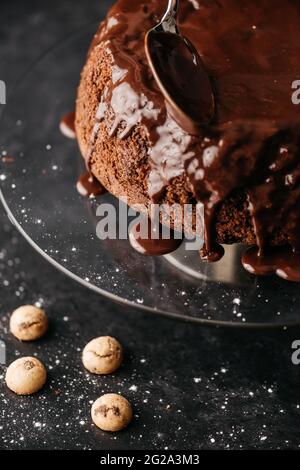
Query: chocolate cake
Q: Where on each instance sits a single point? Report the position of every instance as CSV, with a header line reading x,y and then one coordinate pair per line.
x,y
245,166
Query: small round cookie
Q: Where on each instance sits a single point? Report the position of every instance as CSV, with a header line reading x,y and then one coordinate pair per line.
x,y
111,412
28,323
26,376
102,355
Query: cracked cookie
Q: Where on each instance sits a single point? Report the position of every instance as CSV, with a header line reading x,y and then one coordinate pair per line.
x,y
111,412
28,323
102,355
25,376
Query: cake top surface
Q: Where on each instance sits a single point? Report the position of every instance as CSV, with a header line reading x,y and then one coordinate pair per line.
x,y
251,50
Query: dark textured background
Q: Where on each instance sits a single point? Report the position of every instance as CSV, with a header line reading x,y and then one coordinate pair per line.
x,y
191,387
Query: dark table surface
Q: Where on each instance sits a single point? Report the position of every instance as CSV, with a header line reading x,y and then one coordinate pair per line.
x,y
191,387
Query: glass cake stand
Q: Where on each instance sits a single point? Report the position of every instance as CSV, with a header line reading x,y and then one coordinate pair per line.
x,y
38,173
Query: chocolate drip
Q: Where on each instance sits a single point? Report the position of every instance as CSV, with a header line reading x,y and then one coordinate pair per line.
x,y
258,156
151,240
275,198
89,186
253,145
67,125
7,159
281,261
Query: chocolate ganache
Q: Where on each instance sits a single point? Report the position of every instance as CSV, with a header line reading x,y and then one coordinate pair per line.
x,y
150,239
67,125
251,50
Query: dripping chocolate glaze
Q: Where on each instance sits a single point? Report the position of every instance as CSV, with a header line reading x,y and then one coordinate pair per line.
x,y
281,261
88,186
153,242
67,125
252,53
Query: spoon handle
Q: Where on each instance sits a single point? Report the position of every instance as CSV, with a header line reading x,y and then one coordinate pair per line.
x,y
173,7
170,17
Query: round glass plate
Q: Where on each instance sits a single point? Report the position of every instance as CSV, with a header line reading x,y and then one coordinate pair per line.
x,y
38,174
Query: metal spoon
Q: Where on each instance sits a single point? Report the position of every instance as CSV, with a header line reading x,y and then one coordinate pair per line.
x,y
180,73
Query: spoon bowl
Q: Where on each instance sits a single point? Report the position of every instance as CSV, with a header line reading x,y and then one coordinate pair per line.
x,y
180,73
